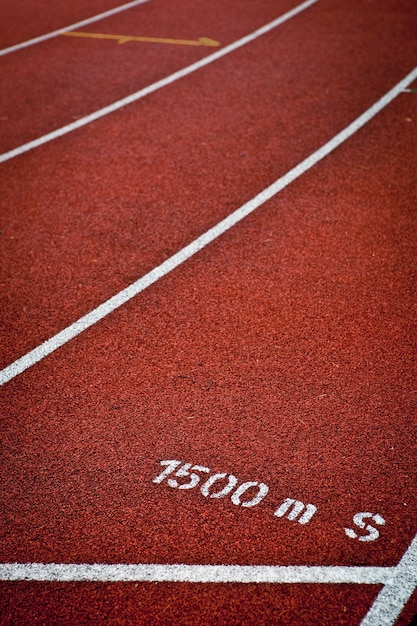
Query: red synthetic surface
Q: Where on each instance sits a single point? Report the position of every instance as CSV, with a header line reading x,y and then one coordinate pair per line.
x,y
78,76
226,604
194,167
283,353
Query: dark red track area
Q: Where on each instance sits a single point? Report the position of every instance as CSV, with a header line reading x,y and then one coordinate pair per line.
x,y
282,353
241,604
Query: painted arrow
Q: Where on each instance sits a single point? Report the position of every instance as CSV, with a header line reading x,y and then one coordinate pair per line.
x,y
202,41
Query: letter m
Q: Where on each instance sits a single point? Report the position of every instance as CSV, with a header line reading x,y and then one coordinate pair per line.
x,y
294,508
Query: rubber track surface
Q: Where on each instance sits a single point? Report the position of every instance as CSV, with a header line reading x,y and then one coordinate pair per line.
x,y
283,353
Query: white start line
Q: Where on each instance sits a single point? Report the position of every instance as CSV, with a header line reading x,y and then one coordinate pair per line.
x,y
398,582
181,573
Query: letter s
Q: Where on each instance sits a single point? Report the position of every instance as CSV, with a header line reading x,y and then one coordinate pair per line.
x,y
358,520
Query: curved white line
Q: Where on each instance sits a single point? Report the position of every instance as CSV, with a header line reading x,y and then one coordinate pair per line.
x,y
55,33
83,121
97,314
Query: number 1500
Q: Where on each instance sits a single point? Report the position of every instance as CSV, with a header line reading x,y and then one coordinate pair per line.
x,y
215,486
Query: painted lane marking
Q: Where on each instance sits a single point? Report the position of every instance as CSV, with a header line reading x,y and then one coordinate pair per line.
x,y
206,487
83,121
358,520
293,507
56,33
201,41
144,572
293,510
107,307
397,591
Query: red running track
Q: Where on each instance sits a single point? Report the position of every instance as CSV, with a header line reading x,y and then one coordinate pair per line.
x,y
283,353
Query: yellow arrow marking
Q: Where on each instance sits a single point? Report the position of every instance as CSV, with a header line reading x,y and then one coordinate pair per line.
x,y
202,41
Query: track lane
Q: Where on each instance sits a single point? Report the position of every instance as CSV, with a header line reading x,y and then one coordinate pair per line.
x,y
169,320
226,167
302,323
135,288
309,390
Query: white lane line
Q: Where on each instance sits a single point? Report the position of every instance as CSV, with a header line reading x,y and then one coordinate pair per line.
x,y
55,33
134,97
63,572
397,591
61,338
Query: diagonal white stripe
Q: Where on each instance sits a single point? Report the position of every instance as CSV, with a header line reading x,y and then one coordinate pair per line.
x,y
55,33
58,340
63,572
397,591
134,97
